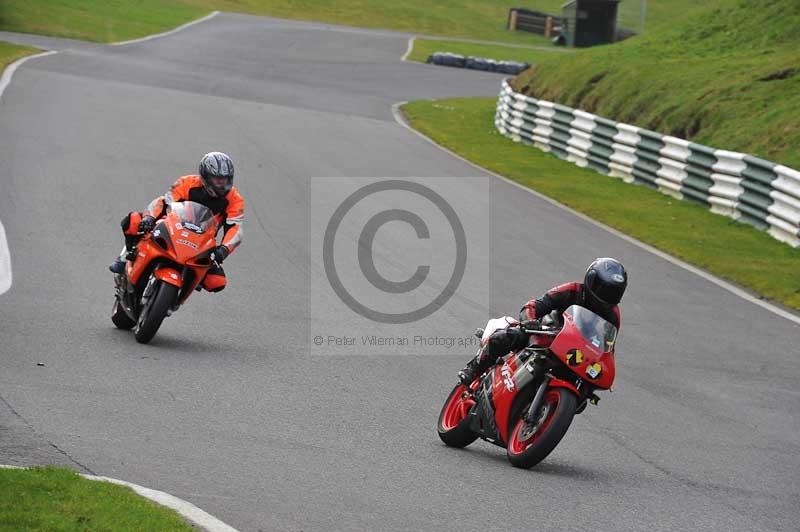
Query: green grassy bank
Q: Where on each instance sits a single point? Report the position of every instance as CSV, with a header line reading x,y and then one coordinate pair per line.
x,y
725,73
58,499
660,14
729,249
96,20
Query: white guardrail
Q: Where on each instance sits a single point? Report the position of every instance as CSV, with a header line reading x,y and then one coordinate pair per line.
x,y
761,193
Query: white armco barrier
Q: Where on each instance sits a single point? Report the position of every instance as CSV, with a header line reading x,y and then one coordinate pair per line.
x,y
749,189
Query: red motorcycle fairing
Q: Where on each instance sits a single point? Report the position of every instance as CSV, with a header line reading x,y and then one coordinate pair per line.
x,y
508,379
590,361
555,382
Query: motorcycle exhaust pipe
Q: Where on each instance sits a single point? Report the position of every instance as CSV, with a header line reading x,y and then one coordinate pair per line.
x,y
530,415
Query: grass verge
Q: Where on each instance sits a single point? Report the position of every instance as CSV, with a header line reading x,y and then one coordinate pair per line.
x,y
52,498
727,248
11,52
425,47
96,20
115,20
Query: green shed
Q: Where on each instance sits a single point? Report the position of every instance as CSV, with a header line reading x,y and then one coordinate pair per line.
x,y
589,22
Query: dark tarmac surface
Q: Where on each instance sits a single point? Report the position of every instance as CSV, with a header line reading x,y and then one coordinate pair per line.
x,y
233,409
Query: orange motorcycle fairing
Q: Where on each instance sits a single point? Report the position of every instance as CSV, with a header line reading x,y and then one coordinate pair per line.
x,y
176,255
169,275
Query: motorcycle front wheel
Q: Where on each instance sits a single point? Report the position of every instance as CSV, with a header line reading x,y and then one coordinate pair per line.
x,y
529,444
453,423
154,312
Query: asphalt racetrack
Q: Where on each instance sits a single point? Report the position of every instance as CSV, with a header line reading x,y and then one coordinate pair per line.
x,y
233,408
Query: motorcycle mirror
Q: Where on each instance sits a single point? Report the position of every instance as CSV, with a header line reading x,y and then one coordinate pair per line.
x,y
479,332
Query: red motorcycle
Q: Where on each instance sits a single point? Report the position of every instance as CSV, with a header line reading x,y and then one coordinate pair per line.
x,y
527,400
170,263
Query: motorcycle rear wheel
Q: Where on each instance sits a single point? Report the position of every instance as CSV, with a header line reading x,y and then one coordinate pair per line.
x,y
154,312
120,318
530,444
453,423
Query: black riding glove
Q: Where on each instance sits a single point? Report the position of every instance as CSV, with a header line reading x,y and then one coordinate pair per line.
x,y
531,324
221,253
147,224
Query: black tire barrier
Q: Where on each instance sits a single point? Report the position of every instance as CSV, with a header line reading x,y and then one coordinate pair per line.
x,y
448,59
477,63
512,67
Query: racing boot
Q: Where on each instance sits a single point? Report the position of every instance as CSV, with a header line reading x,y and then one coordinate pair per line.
x,y
127,253
117,267
470,371
475,367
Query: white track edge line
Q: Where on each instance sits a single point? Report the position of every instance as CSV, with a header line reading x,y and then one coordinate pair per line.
x,y
5,79
5,262
794,318
5,254
169,32
408,48
186,509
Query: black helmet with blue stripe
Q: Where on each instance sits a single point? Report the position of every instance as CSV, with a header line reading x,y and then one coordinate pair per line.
x,y
605,282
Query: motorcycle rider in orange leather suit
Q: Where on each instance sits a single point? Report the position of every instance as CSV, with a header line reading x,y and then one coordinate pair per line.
x,y
213,187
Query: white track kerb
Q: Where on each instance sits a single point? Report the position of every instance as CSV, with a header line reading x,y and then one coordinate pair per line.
x,y
400,119
408,49
170,32
5,79
187,510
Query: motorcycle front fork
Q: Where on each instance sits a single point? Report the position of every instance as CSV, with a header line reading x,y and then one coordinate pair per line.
x,y
532,414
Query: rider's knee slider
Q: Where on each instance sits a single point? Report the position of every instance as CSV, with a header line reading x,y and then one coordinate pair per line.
x,y
214,283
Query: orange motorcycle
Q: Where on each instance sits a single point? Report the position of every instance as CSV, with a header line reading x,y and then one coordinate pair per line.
x,y
170,263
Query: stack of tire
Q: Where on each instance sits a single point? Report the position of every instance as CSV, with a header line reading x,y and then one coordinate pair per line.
x,y
477,63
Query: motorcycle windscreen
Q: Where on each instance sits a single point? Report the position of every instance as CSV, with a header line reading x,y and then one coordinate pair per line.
x,y
597,331
193,216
